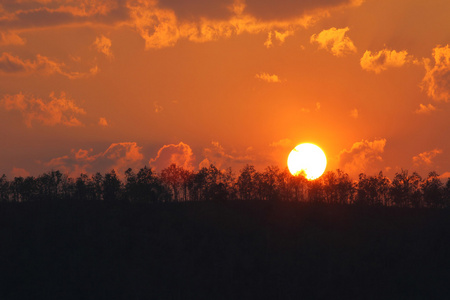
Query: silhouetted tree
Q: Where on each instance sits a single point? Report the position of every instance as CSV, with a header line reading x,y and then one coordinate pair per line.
x,y
84,188
4,188
374,190
330,183
345,189
246,183
405,189
432,190
315,190
97,182
269,183
111,187
447,193
177,178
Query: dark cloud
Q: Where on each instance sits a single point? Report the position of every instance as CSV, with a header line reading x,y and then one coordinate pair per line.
x,y
48,14
289,9
194,9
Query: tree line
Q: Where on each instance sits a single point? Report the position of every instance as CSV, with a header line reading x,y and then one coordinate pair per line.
x,y
176,184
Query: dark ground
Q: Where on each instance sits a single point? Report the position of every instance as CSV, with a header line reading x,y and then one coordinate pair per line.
x,y
222,250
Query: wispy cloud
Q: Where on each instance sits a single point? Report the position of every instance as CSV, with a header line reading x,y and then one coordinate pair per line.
x,y
118,156
354,113
278,36
383,59
103,45
437,79
103,122
13,65
10,38
19,172
362,157
268,78
217,155
180,154
425,109
425,158
335,41
56,111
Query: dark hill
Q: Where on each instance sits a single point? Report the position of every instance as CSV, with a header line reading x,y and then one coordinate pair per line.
x,y
222,250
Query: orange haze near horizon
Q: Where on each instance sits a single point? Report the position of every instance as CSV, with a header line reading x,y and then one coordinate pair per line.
x,y
89,86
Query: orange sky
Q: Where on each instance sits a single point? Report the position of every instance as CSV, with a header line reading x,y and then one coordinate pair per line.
x,y
92,85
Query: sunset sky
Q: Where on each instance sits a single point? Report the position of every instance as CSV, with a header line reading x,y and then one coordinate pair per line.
x,y
92,85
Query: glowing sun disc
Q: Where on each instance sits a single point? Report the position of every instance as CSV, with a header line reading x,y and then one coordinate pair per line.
x,y
307,158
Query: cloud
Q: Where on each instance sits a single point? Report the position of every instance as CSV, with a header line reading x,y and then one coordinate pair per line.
x,y
103,45
445,175
158,108
383,59
118,156
425,109
284,143
280,36
267,77
437,78
216,154
288,9
354,113
10,38
180,154
103,122
335,41
13,65
362,157
19,172
57,111
161,23
44,14
425,158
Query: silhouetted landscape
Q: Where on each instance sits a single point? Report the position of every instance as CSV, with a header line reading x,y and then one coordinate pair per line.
x,y
212,235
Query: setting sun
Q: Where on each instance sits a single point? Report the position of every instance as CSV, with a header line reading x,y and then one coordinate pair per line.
x,y
307,158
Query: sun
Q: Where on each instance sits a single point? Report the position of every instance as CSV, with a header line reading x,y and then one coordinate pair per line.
x,y
307,158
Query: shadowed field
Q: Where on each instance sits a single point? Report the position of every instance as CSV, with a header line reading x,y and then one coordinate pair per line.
x,y
222,250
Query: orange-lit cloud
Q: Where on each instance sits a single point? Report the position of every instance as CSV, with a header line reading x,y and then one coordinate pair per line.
x,y
437,79
383,59
267,77
288,10
157,107
103,122
216,154
44,14
354,113
284,143
13,65
425,158
180,154
103,45
19,172
362,157
161,24
10,38
335,41
277,35
118,156
425,109
57,111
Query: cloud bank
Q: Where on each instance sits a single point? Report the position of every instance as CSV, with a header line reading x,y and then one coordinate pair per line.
x,y
362,157
57,111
